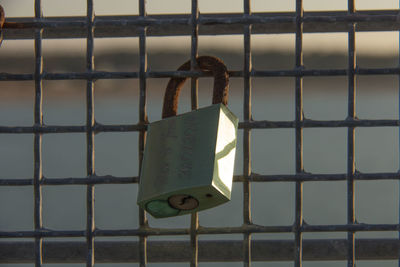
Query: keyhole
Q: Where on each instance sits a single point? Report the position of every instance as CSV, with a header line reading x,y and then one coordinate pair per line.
x,y
183,202
185,199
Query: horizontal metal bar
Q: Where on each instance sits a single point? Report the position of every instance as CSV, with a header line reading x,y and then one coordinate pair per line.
x,y
307,123
108,233
209,251
48,129
315,177
41,233
254,177
210,24
357,227
91,180
303,72
253,228
245,229
98,75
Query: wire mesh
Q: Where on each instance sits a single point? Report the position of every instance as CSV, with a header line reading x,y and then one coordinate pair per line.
x,y
196,24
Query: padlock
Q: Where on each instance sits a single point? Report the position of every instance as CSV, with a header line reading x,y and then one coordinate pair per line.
x,y
189,159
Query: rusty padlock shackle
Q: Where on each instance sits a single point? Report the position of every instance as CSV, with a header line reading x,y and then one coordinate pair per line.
x,y
12,25
205,63
2,19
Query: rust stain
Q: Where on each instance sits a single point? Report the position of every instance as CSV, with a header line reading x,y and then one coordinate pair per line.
x,y
204,63
2,19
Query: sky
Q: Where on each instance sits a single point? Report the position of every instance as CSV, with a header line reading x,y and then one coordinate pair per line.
x,y
379,42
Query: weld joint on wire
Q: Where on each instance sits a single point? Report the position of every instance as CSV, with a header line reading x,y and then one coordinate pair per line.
x,y
352,119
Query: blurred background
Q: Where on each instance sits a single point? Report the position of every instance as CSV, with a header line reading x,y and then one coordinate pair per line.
x,y
273,150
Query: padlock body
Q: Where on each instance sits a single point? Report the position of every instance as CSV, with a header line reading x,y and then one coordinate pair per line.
x,y
188,162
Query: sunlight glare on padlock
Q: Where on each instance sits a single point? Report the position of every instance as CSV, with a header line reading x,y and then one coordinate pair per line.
x,y
225,152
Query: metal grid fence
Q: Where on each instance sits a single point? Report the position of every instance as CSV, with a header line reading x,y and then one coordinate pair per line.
x,y
194,25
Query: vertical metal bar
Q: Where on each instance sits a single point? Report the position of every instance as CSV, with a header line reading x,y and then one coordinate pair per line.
x,y
351,136
247,135
38,117
194,52
143,120
194,243
194,222
398,91
299,136
90,123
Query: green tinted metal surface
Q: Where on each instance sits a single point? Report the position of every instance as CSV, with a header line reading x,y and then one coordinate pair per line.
x,y
161,208
190,154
